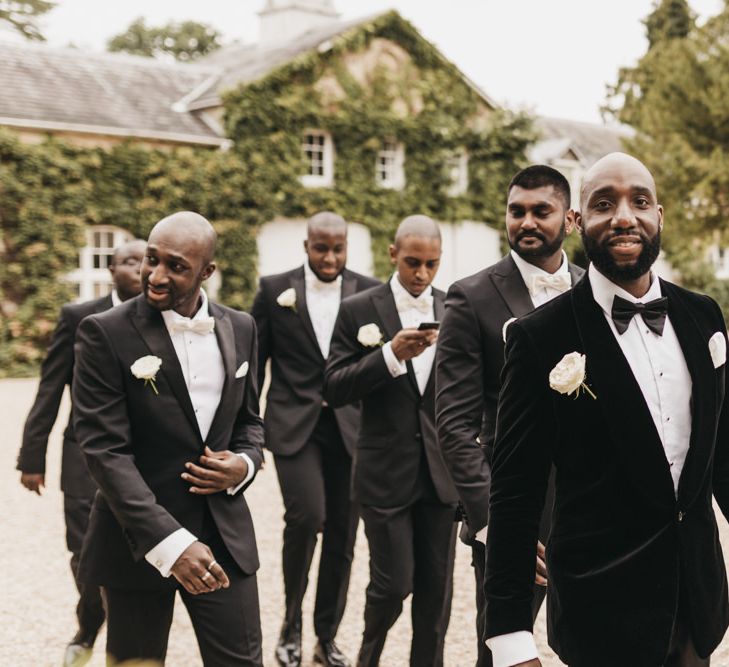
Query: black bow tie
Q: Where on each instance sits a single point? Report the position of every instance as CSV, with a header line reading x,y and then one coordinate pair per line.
x,y
653,313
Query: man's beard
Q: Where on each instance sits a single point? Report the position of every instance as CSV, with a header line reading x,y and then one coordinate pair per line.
x,y
599,254
547,249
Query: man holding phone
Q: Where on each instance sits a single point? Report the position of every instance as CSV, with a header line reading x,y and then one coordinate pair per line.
x,y
382,354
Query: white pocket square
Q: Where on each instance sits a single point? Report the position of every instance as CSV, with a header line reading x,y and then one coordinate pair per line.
x,y
717,349
242,371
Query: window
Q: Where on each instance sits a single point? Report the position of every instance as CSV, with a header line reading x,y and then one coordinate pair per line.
x,y
318,150
389,170
457,171
92,276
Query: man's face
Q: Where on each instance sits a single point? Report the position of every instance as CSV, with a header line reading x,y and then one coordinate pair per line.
x,y
125,271
327,253
173,269
621,221
416,260
536,221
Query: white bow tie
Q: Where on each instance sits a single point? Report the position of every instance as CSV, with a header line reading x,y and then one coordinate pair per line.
x,y
423,303
202,326
324,287
559,282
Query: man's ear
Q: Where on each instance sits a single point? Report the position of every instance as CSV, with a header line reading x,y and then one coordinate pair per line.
x,y
393,253
209,270
306,245
660,218
569,221
577,220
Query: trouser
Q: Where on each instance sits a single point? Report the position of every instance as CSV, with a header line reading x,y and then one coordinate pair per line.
x,y
315,484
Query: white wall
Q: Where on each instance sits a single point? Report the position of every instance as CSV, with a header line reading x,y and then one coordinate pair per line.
x,y
468,247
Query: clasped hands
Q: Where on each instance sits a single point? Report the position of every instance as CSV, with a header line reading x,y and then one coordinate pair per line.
x,y
410,343
215,472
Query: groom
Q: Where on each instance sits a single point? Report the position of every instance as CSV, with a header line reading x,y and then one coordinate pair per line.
x,y
638,438
166,411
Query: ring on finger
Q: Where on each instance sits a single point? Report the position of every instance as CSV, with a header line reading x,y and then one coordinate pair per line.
x,y
210,566
205,574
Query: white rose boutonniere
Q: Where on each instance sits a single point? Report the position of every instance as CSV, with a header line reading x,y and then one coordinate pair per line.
x,y
370,335
145,368
287,299
568,376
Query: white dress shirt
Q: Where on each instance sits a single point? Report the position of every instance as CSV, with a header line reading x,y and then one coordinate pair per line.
x,y
410,318
115,300
659,367
529,272
322,302
202,367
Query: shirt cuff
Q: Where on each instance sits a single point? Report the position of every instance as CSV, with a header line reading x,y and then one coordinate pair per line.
x,y
232,490
481,534
394,365
512,648
166,553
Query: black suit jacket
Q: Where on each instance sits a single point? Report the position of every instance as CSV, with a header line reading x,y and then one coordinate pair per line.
x,y
398,424
56,373
623,547
137,442
286,336
469,361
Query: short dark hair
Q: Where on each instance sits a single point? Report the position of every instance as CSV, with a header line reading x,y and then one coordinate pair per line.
x,y
542,176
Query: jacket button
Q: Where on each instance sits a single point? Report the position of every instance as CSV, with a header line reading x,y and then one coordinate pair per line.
x,y
418,436
680,517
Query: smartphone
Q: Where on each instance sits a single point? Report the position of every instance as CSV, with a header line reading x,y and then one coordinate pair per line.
x,y
425,326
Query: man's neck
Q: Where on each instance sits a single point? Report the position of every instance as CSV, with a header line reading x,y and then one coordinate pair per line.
x,y
191,311
324,280
550,264
638,287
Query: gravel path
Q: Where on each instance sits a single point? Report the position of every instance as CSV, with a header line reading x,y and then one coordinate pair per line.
x,y
36,607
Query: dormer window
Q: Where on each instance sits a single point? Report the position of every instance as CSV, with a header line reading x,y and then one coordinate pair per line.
x,y
457,171
318,149
390,166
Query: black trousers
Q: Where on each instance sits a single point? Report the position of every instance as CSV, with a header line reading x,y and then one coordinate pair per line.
x,y
412,550
315,484
90,609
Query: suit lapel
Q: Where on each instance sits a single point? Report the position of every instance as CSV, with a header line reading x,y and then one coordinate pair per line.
x,y
152,329
299,285
626,413
438,311
510,285
349,284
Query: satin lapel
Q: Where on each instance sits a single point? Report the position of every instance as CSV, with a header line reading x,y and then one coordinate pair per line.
x,y
626,413
226,344
349,285
104,304
152,329
508,282
438,311
695,348
299,285
576,273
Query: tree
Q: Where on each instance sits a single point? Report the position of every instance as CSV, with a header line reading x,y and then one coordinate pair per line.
x,y
22,15
183,41
670,19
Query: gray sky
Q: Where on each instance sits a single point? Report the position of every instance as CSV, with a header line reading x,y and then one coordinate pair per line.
x,y
553,57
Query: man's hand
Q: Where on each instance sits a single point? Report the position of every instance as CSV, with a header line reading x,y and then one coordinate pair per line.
x,y
541,575
217,471
409,343
198,571
33,481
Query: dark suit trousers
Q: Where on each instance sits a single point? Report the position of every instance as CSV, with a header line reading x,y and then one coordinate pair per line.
x,y
412,550
90,609
315,484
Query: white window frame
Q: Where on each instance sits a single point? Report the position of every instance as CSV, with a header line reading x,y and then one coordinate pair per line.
x,y
457,170
390,165
93,278
573,171
325,161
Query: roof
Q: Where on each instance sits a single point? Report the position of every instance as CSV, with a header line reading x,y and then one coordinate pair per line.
x,y
105,93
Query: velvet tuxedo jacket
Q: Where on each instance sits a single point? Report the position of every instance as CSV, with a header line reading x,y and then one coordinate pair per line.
x,y
286,337
397,433
470,356
56,373
137,442
624,547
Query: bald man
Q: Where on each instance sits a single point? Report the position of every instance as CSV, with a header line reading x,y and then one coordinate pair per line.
x,y
639,438
166,412
76,483
382,355
311,442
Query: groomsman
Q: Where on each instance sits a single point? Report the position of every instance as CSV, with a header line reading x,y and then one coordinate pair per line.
x,y
621,385
382,354
166,411
471,349
76,483
311,442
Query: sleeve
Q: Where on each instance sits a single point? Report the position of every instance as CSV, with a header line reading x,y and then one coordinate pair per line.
x,y
720,480
56,373
525,430
459,406
101,423
164,555
260,314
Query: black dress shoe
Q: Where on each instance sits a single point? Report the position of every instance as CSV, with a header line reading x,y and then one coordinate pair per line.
x,y
329,655
288,649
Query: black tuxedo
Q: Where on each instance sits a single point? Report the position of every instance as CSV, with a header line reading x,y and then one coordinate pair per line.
x,y
626,556
399,478
76,483
312,445
136,444
469,361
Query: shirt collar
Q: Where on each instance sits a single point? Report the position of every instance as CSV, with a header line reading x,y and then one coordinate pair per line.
x,y
170,316
528,270
399,290
312,279
115,300
604,290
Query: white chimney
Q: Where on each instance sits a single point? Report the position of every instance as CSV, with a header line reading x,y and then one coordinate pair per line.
x,y
283,20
